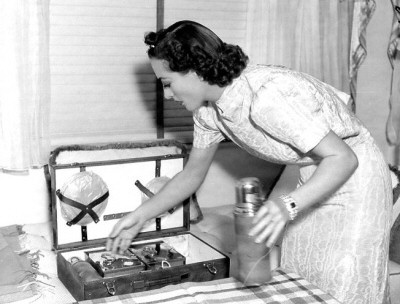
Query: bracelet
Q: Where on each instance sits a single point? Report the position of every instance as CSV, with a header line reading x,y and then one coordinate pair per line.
x,y
291,206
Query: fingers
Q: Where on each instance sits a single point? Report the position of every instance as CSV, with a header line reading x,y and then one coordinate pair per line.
x,y
268,224
262,231
273,238
114,240
109,244
121,235
120,243
116,230
261,225
124,245
262,212
113,244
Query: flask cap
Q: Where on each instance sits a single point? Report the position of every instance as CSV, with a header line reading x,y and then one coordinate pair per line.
x,y
248,194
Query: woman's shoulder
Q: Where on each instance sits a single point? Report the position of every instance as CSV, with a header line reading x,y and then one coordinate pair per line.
x,y
252,78
260,75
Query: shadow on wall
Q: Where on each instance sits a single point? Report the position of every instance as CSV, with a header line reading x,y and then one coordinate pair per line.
x,y
230,164
143,79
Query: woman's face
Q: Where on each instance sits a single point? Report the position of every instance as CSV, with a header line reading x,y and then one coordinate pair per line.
x,y
187,89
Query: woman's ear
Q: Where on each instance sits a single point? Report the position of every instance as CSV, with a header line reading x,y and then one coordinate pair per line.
x,y
194,74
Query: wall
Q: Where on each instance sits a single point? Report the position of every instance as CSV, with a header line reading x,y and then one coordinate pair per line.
x,y
230,164
24,198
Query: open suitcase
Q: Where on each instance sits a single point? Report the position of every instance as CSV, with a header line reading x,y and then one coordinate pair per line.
x,y
164,252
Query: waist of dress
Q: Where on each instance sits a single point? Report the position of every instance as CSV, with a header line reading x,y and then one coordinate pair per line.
x,y
364,137
363,141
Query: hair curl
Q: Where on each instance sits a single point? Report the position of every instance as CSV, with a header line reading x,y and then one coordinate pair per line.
x,y
190,46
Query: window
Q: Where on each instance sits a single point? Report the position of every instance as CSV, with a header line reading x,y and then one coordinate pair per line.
x,y
102,86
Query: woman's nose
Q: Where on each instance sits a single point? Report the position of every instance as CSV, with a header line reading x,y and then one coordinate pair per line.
x,y
168,93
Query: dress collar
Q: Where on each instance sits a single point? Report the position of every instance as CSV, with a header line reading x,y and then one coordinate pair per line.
x,y
230,104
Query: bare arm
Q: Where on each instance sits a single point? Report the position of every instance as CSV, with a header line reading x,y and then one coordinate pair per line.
x,y
175,191
338,162
337,165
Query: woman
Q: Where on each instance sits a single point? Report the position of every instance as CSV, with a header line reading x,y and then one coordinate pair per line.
x,y
336,223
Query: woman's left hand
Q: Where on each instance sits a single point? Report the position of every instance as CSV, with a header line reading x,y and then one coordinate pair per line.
x,y
269,222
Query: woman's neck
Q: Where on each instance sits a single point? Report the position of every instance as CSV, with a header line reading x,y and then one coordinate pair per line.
x,y
214,92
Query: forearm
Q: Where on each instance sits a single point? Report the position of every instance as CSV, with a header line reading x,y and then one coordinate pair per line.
x,y
182,186
331,173
174,192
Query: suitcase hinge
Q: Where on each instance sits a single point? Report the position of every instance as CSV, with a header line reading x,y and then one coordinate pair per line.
x,y
110,287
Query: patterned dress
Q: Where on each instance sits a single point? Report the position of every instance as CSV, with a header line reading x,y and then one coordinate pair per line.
x,y
341,243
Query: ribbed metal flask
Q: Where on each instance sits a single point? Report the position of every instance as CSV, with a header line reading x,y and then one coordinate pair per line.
x,y
253,258
248,196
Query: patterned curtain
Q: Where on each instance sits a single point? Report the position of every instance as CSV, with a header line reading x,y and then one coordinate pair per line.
x,y
24,84
324,38
393,123
361,15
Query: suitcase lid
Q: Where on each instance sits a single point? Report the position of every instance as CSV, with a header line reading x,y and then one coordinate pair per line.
x,y
119,166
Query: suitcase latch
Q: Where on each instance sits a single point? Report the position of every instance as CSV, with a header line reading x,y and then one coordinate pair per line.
x,y
211,268
110,287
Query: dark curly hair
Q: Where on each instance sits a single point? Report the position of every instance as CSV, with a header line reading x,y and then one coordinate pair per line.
x,y
189,46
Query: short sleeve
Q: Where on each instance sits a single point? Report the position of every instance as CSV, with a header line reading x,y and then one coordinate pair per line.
x,y
291,116
206,132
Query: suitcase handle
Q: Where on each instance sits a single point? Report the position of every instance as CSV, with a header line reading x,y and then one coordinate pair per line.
x,y
167,280
163,281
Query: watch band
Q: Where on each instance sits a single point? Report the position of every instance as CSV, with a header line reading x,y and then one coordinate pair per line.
x,y
291,206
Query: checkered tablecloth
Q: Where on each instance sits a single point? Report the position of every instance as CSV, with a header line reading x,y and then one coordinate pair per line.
x,y
285,288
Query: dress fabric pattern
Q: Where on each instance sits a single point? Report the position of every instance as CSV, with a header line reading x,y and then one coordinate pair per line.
x,y
340,244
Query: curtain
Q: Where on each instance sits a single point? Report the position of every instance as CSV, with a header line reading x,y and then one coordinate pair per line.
x,y
324,38
393,122
362,14
24,83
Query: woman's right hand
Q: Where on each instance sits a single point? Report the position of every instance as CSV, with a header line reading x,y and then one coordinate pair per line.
x,y
180,187
123,232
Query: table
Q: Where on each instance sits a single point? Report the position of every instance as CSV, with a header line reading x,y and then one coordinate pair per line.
x,y
284,288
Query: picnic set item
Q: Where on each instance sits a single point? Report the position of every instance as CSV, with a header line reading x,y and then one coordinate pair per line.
x,y
92,187
253,258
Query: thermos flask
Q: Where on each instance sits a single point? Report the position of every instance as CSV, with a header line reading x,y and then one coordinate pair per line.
x,y
84,270
253,258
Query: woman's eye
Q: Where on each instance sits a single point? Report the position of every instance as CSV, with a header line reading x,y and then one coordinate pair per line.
x,y
166,85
